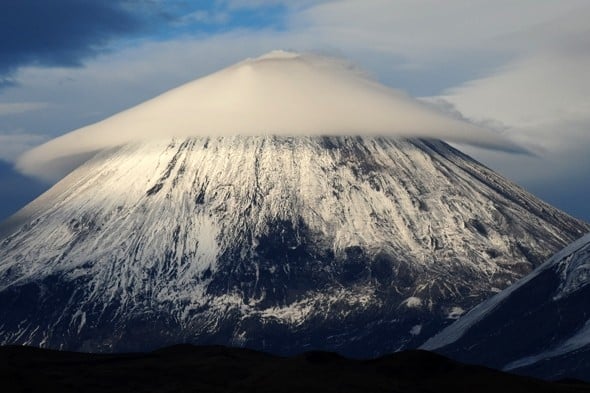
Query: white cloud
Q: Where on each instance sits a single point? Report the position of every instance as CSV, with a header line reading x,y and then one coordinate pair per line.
x,y
530,93
206,17
10,108
237,4
430,29
542,102
280,93
13,144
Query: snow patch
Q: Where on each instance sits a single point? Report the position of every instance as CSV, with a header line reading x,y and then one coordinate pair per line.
x,y
455,313
413,302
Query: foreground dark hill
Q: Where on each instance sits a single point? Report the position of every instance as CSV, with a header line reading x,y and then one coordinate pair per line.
x,y
220,369
539,326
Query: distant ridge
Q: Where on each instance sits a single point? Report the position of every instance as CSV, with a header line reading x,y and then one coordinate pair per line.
x,y
538,326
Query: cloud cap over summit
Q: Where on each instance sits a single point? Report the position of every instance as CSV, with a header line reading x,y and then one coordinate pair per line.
x,y
280,93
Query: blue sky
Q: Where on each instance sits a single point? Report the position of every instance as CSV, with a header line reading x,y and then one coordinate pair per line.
x,y
521,68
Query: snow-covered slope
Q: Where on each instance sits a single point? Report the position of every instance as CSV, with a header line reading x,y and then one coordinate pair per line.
x,y
356,244
539,326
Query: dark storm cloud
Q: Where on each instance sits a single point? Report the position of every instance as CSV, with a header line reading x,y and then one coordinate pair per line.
x,y
60,32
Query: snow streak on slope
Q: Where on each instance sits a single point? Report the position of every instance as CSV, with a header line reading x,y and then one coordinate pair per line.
x,y
358,244
281,94
555,294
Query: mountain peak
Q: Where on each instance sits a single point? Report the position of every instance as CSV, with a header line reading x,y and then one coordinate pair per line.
x,y
362,245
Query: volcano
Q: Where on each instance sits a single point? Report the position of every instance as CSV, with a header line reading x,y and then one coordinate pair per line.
x,y
362,245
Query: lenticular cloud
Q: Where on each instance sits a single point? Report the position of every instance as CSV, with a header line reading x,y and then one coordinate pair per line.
x,y
280,93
